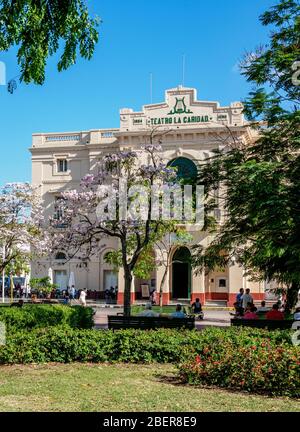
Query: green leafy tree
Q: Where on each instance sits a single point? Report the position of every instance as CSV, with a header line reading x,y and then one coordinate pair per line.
x,y
86,212
38,28
18,266
43,285
262,181
169,237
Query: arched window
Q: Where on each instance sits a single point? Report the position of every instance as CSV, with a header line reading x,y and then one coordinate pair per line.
x,y
186,169
60,256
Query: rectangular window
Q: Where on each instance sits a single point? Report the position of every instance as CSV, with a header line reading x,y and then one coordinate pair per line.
x,y
61,279
222,283
59,207
62,165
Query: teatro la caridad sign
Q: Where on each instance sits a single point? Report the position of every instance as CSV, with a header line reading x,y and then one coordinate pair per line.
x,y
176,115
181,109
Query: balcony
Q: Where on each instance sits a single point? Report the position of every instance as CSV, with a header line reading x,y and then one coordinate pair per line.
x,y
73,138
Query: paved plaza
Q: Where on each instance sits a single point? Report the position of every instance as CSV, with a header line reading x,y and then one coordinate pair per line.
x,y
216,318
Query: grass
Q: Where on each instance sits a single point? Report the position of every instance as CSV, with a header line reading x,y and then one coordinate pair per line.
x,y
164,309
104,387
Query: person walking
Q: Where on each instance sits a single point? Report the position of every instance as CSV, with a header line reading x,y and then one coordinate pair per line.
x,y
82,297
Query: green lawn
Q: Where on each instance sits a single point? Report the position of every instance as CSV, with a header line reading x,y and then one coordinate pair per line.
x,y
163,309
102,387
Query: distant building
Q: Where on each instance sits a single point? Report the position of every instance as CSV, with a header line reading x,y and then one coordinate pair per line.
x,y
60,160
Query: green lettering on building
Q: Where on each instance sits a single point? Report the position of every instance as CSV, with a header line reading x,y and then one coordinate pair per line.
x,y
179,120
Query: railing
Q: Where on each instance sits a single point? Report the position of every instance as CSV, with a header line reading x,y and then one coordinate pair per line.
x,y
62,138
84,137
107,134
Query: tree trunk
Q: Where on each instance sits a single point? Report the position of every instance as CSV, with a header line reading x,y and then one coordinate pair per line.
x,y
127,292
292,296
162,286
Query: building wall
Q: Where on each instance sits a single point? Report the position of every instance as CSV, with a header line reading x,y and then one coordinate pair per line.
x,y
196,128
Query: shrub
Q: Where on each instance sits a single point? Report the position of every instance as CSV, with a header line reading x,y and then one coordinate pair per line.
x,y
64,344
37,316
262,367
255,360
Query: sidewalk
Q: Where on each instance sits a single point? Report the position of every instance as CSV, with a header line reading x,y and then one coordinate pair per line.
x,y
212,318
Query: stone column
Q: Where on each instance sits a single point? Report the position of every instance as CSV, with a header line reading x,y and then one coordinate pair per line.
x,y
198,287
121,285
166,295
120,299
132,290
235,282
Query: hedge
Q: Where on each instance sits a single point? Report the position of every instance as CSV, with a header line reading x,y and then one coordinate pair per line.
x,y
64,344
261,368
255,360
36,316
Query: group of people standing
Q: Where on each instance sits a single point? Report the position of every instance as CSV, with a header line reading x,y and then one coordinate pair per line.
x,y
111,294
245,308
72,294
18,291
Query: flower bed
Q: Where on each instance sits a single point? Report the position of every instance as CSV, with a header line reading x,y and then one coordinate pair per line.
x,y
262,367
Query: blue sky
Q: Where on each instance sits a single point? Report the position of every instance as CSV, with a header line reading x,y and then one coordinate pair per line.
x,y
137,37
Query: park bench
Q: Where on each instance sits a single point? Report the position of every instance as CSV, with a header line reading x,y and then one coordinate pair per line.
x,y
117,322
262,323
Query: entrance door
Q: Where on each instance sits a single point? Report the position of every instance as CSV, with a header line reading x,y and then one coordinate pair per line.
x,y
181,274
110,279
61,279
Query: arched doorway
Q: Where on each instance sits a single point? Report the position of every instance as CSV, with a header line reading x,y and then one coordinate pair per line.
x,y
181,274
186,168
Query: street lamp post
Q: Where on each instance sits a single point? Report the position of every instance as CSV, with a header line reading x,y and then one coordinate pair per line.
x,y
12,281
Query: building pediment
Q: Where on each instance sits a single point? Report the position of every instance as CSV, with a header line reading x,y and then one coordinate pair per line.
x,y
181,109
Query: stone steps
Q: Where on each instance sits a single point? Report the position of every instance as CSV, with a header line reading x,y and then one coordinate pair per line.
x,y
215,303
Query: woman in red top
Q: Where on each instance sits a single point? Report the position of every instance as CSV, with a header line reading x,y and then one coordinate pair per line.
x,y
251,314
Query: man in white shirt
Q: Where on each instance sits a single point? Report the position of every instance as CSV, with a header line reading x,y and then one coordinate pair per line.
x,y
148,312
263,307
247,298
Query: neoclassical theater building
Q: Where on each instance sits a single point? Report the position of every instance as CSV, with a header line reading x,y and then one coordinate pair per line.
x,y
194,128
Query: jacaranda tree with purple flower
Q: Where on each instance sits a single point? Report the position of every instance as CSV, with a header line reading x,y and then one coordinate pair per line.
x,y
117,202
22,232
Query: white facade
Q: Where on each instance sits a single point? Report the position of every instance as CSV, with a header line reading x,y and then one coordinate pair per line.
x,y
192,129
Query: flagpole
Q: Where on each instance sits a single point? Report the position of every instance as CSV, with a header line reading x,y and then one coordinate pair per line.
x,y
151,88
183,69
